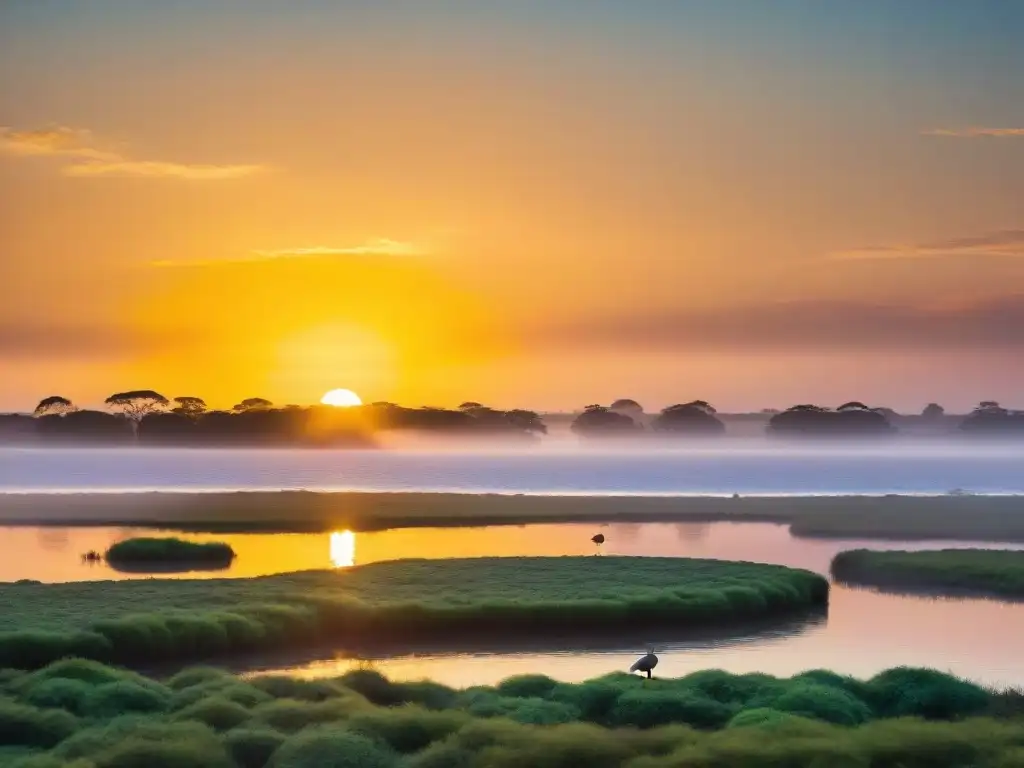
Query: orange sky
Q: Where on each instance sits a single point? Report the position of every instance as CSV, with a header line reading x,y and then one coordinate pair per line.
x,y
542,205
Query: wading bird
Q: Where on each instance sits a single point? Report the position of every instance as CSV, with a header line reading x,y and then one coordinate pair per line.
x,y
599,540
645,663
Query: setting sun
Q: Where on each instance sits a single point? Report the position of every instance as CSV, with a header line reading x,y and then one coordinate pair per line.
x,y
342,398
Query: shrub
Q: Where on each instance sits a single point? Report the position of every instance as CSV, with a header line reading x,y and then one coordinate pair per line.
x,y
229,688
252,748
281,687
198,676
323,748
594,699
761,717
289,716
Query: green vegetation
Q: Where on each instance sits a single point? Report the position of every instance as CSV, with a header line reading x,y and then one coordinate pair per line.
x,y
143,552
965,518
202,716
949,572
156,620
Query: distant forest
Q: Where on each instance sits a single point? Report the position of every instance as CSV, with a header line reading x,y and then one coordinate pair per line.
x,y
146,417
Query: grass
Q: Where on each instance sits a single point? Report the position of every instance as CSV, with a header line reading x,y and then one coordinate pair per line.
x,y
912,718
966,518
149,621
947,572
168,554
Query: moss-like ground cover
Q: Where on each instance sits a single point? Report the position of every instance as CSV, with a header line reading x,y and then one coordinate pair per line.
x,y
144,552
949,572
156,620
81,714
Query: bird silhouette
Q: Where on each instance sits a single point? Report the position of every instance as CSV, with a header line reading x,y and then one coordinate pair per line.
x,y
645,663
598,540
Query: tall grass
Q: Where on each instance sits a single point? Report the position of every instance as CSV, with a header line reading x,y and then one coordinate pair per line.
x,y
133,554
944,572
902,717
159,620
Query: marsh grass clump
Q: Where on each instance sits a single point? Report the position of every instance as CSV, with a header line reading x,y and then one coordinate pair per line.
x,y
945,572
22,725
332,748
170,553
219,713
416,600
252,747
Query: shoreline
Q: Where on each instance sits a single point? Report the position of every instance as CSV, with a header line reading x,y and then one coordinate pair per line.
x,y
964,518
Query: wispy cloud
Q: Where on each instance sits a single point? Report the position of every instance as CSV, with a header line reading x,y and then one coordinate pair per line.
x,y
381,247
378,247
1005,244
975,132
88,158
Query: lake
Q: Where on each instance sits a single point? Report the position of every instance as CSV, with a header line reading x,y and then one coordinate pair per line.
x,y
744,466
864,632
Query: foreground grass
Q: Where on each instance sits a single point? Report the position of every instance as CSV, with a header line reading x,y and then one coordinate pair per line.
x,y
967,518
169,551
944,572
156,620
82,714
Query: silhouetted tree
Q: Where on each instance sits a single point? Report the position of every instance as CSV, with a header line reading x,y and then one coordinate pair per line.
x,y
690,418
527,421
933,411
138,403
252,404
811,420
628,407
991,418
54,405
189,406
85,426
597,420
988,405
853,405
175,427
470,405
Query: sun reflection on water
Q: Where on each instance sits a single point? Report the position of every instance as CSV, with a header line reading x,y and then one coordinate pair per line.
x,y
343,549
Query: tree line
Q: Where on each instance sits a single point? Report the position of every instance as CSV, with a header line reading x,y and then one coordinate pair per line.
x,y
148,417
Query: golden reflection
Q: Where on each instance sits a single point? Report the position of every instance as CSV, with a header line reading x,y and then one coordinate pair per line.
x,y
343,549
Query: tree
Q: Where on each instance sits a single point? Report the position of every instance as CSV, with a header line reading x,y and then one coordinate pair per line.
x,y
599,420
933,411
54,405
470,405
853,405
627,407
252,404
703,405
688,418
138,403
189,406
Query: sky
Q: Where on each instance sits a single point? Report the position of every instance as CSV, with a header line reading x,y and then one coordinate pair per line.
x,y
531,204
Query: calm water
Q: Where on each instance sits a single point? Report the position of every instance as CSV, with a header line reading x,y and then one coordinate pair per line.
x,y
733,466
864,632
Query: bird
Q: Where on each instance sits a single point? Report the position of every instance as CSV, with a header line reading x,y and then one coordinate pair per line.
x,y
645,663
598,539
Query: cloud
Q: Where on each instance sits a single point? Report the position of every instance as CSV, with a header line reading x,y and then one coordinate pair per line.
x,y
1008,243
379,247
997,324
88,159
975,132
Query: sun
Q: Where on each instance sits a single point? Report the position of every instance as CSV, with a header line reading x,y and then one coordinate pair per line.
x,y
342,398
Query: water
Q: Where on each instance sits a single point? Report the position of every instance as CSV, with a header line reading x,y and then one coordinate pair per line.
x,y
734,466
865,631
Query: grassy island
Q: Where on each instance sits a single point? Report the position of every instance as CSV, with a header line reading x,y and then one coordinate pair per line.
x,y
82,714
964,518
946,572
153,620
169,553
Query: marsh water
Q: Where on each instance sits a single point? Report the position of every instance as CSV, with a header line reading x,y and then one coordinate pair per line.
x,y
864,631
727,466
